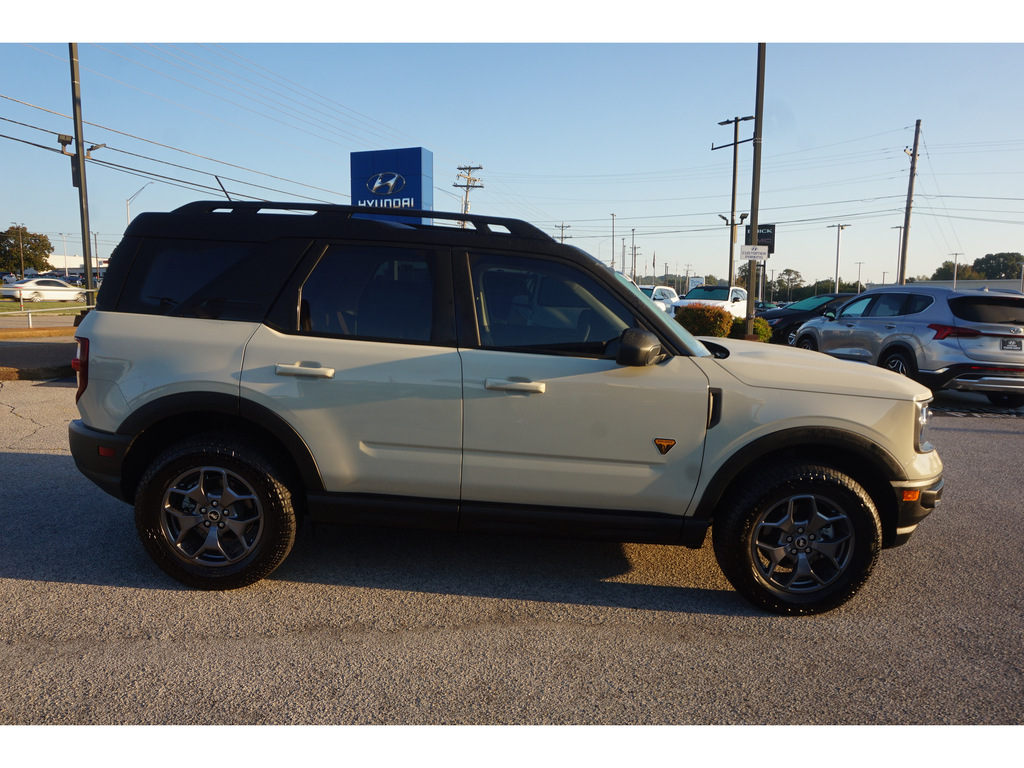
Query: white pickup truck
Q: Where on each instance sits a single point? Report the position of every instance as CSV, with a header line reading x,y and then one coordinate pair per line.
x,y
732,299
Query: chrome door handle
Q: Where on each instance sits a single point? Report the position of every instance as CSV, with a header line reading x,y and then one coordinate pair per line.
x,y
510,385
304,368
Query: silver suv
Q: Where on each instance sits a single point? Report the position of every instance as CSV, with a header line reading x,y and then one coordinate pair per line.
x,y
246,367
970,340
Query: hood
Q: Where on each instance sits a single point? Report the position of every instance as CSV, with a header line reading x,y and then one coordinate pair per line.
x,y
771,366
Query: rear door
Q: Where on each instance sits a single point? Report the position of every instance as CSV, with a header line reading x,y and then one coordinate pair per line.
x,y
364,368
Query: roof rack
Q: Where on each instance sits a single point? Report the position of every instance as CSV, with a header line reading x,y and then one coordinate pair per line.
x,y
487,224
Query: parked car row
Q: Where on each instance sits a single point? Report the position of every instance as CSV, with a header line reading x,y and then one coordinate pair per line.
x,y
968,340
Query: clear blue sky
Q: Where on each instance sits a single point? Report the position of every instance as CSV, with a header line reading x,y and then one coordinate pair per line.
x,y
566,132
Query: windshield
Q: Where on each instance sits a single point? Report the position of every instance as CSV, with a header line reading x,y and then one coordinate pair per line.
x,y
712,292
811,302
648,290
683,336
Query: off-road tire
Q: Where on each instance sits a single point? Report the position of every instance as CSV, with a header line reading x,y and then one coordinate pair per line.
x,y
797,539
215,513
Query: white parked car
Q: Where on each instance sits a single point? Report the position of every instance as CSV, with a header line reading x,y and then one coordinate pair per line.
x,y
42,289
732,299
662,295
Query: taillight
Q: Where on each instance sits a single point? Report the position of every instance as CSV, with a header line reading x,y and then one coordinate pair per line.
x,y
952,332
80,365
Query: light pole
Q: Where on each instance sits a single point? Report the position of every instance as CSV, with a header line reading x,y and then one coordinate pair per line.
x,y
65,239
127,212
839,231
735,122
731,224
955,255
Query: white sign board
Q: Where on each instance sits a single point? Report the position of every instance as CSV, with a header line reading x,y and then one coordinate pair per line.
x,y
754,252
694,283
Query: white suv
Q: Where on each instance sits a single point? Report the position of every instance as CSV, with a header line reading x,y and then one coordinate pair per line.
x,y
246,367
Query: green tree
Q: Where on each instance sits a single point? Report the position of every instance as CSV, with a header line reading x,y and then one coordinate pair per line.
x,y
963,272
999,266
18,242
787,280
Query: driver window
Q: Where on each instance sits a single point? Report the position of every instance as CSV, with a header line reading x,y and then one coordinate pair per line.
x,y
538,305
856,308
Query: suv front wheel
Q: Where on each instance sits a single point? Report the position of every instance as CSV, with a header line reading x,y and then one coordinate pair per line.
x,y
797,539
214,513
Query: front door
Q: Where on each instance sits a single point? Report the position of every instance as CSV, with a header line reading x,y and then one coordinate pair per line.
x,y
551,419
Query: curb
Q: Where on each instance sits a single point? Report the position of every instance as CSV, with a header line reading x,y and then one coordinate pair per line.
x,y
33,333
41,373
36,374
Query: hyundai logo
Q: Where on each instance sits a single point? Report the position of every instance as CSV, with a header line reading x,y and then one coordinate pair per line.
x,y
1017,331
385,183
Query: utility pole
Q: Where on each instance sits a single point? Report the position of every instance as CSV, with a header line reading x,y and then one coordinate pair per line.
x,y
755,190
471,183
78,165
910,203
632,247
613,247
859,263
563,226
839,231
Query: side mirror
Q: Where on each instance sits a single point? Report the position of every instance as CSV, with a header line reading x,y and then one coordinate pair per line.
x,y
638,347
829,314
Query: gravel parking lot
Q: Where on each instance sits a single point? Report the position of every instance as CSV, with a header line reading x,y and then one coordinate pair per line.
x,y
383,627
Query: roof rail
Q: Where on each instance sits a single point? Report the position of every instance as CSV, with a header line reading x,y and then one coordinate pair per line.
x,y
488,224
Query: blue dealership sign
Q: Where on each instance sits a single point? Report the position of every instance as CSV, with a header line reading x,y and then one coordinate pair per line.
x,y
393,178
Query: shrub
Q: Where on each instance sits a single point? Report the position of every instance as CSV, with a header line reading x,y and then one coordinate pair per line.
x,y
762,330
704,319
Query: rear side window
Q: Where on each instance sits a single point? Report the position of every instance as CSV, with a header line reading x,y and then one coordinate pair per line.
x,y
206,279
888,305
1008,310
374,292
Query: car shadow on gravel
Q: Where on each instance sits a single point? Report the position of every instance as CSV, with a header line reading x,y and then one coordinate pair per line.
x,y
555,570
56,526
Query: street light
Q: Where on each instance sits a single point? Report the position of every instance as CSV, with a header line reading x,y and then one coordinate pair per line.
x,y
732,239
839,231
127,202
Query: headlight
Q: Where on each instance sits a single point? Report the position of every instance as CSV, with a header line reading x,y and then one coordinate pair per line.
x,y
924,417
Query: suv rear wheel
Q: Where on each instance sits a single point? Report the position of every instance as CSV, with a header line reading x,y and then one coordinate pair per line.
x,y
797,539
215,513
899,362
